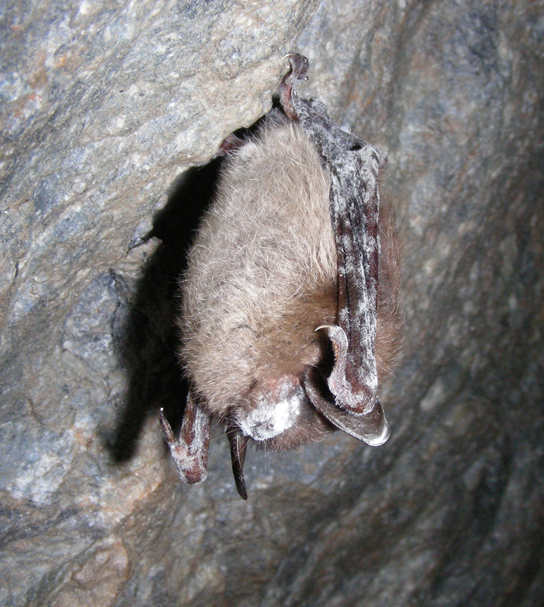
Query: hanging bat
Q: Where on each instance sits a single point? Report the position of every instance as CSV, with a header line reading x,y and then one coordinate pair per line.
x,y
290,302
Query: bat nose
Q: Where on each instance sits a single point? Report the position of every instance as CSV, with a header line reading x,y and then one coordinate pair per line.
x,y
276,407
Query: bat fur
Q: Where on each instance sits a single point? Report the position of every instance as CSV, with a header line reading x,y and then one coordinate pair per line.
x,y
262,279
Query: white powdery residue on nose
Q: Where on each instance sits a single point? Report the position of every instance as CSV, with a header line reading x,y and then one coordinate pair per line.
x,y
269,419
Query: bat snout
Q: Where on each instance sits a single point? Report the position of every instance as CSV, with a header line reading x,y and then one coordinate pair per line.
x,y
275,407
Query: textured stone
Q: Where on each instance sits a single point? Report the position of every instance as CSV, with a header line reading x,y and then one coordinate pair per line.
x,y
103,107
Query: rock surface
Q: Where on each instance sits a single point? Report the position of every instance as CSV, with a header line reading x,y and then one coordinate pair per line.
x,y
104,105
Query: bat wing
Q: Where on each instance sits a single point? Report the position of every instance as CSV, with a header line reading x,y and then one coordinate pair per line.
x,y
353,165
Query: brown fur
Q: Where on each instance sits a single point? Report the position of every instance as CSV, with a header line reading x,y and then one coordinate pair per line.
x,y
262,278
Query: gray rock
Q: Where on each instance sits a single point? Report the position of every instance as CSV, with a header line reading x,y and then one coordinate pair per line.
x,y
104,106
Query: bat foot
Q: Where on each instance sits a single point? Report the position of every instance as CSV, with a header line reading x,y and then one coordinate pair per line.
x,y
190,456
232,143
299,68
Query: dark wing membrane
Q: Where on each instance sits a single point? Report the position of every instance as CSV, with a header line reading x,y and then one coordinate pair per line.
x,y
354,203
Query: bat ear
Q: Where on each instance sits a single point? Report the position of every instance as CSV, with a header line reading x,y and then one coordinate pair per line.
x,y
371,427
238,446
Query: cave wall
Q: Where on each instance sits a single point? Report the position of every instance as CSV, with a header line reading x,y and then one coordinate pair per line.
x,y
105,107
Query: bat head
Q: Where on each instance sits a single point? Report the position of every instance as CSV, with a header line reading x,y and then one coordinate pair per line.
x,y
277,414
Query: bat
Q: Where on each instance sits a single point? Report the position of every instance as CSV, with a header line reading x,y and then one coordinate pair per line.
x,y
290,310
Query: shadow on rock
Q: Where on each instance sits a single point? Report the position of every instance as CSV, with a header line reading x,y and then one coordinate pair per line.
x,y
148,339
